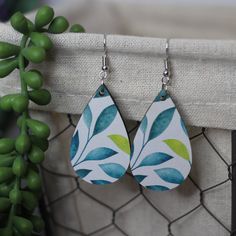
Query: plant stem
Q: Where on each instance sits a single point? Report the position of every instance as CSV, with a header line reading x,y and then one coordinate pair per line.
x,y
25,115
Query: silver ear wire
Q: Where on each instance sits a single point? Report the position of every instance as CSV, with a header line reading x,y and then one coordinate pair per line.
x,y
166,74
105,68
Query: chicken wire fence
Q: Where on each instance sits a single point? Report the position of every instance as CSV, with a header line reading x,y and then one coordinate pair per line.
x,y
147,198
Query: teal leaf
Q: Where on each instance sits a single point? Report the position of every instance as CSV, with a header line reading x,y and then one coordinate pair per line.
x,y
183,126
83,173
143,125
113,170
161,123
105,119
156,158
157,188
140,178
100,154
170,175
87,116
104,91
74,145
100,182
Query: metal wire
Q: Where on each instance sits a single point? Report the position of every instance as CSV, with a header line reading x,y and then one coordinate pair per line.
x,y
141,194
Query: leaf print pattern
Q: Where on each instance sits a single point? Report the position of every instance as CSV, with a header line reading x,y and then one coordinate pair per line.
x,y
143,125
114,170
170,175
178,147
74,145
161,123
103,152
156,158
162,151
87,116
83,172
100,154
105,119
121,142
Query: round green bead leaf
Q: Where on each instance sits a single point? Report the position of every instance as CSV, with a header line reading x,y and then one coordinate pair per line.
x,y
19,167
19,23
77,28
6,145
7,66
5,174
20,103
41,40
38,128
44,16
15,196
58,25
40,97
23,144
34,54
8,50
23,225
33,79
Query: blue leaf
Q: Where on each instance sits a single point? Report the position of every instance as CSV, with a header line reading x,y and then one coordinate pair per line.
x,y
100,154
157,188
140,178
105,119
183,126
74,145
161,123
101,92
170,175
100,182
87,116
114,170
155,158
143,125
83,173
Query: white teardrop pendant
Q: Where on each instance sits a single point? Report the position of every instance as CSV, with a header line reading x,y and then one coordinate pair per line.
x,y
161,154
100,147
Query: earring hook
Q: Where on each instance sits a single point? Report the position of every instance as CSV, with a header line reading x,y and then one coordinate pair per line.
x,y
166,73
105,68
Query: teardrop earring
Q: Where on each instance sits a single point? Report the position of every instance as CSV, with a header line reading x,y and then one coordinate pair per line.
x,y
161,153
100,147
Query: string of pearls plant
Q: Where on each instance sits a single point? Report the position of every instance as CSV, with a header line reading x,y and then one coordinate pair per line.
x,y
20,181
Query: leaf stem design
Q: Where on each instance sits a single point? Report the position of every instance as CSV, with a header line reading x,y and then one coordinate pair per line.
x,y
143,146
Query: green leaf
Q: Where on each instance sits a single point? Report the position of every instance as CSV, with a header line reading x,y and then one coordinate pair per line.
x,y
121,142
178,147
105,119
161,123
100,154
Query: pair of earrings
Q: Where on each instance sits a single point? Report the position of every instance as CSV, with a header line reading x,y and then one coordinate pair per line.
x,y
160,157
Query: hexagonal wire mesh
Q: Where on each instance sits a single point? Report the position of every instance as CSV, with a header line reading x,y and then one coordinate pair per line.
x,y
170,222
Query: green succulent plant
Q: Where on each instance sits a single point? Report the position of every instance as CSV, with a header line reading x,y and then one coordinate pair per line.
x,y
20,181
